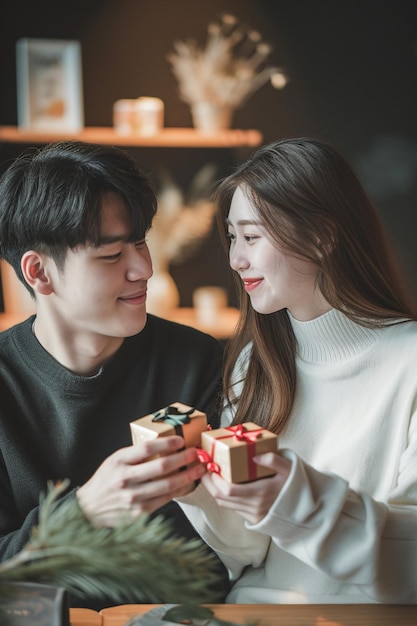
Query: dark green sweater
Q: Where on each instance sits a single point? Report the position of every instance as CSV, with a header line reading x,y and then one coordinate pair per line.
x,y
55,424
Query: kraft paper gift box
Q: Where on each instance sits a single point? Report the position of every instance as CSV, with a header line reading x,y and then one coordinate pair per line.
x,y
175,419
229,451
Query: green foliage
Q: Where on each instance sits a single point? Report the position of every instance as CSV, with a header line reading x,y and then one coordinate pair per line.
x,y
138,560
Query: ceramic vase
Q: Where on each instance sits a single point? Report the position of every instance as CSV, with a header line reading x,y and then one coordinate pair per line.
x,y
163,295
211,118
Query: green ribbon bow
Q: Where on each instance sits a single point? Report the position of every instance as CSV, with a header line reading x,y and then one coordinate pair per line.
x,y
174,416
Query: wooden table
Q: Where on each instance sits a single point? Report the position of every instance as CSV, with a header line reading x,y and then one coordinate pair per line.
x,y
85,617
288,614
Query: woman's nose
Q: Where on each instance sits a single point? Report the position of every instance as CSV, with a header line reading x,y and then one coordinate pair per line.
x,y
237,259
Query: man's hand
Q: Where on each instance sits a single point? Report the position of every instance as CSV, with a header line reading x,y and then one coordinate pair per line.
x,y
134,480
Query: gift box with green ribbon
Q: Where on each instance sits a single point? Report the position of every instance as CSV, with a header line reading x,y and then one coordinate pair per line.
x,y
230,451
175,419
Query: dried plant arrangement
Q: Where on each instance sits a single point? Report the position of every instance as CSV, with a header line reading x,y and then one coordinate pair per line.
x,y
183,220
181,224
228,70
138,559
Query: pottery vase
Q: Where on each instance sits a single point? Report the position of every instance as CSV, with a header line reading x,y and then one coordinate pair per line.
x,y
163,295
211,118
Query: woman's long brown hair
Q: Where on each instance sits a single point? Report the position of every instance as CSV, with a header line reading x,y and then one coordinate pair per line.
x,y
311,204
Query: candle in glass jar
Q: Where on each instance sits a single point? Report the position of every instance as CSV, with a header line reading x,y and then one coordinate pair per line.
x,y
208,303
149,115
124,115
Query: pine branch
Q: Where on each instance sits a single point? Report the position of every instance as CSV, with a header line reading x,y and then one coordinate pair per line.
x,y
139,559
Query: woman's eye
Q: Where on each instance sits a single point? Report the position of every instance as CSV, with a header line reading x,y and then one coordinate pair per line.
x,y
250,238
230,236
140,244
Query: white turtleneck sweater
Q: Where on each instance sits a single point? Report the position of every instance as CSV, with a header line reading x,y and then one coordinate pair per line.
x,y
344,527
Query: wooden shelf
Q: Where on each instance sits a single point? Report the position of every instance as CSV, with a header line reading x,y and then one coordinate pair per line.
x,y
167,138
221,328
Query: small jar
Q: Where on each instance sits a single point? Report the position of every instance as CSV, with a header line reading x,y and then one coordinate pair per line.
x,y
149,115
208,303
124,112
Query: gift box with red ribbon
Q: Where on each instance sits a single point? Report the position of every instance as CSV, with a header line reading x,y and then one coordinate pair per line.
x,y
230,451
175,419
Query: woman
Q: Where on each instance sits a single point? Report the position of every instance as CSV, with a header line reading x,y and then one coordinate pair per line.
x,y
325,355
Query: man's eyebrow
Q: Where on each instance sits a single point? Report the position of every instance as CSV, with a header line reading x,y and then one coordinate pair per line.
x,y
108,239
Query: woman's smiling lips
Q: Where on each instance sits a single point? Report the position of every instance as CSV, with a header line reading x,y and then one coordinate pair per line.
x,y
251,283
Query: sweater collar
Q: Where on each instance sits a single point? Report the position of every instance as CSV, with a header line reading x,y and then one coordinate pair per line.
x,y
332,337
47,368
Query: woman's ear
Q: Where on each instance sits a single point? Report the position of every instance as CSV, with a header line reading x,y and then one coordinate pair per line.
x,y
35,272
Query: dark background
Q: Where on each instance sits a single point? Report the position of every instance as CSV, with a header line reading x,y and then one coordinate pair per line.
x,y
353,82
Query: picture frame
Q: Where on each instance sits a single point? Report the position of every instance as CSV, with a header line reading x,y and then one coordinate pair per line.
x,y
49,85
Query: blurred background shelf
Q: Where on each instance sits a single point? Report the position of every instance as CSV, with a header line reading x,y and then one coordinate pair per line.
x,y
222,328
167,138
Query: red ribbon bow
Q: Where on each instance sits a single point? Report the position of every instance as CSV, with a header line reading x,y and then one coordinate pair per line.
x,y
204,457
240,433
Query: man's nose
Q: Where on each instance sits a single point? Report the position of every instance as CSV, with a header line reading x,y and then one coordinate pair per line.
x,y
139,264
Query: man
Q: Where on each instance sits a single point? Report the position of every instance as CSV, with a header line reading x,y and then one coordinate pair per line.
x,y
73,224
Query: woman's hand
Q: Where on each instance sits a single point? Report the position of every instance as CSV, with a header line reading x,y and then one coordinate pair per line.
x,y
139,479
251,500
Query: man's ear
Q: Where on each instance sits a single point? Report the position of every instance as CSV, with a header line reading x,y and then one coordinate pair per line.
x,y
35,272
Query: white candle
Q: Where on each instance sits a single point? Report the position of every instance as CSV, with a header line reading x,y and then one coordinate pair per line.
x,y
149,115
208,303
124,116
